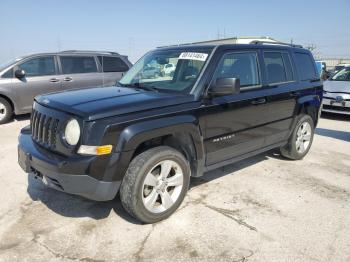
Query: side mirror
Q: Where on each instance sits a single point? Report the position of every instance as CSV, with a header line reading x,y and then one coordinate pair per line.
x,y
19,73
225,86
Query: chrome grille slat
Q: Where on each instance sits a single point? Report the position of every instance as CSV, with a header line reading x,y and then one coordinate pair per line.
x,y
41,128
37,126
32,117
46,130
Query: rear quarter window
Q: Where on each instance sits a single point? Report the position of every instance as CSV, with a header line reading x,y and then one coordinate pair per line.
x,y
112,64
305,66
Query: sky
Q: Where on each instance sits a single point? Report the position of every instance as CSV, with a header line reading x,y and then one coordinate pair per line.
x,y
135,27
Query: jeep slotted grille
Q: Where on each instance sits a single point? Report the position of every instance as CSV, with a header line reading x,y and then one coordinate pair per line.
x,y
44,129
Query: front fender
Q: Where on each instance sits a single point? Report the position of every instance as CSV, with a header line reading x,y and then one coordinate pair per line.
x,y
132,136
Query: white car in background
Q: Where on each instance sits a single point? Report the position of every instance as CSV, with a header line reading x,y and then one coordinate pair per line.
x,y
336,93
169,69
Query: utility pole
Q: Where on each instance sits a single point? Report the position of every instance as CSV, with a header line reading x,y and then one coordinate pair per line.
x,y
311,47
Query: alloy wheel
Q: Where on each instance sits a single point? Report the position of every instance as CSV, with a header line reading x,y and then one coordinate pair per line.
x,y
303,137
162,186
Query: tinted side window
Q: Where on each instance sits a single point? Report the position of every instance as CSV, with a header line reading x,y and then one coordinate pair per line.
x,y
41,66
112,64
8,74
306,67
78,64
239,65
275,70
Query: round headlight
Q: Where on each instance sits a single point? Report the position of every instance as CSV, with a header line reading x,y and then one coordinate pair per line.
x,y
72,132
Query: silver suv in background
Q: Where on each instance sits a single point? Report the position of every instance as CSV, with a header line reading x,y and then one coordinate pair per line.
x,y
26,77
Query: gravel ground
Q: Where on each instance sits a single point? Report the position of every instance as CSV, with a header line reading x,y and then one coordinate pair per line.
x,y
262,209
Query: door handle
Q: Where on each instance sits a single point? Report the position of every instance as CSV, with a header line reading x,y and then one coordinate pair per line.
x,y
295,94
54,80
259,101
68,79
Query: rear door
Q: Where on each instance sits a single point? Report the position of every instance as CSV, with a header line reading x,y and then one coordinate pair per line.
x,y
78,71
281,92
234,124
113,69
41,78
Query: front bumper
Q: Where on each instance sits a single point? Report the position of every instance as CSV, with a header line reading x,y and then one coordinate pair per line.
x,y
332,106
48,166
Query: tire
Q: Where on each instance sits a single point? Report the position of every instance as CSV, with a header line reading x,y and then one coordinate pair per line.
x,y
135,193
6,111
297,147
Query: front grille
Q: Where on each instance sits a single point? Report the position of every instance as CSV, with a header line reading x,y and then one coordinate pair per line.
x,y
44,129
338,108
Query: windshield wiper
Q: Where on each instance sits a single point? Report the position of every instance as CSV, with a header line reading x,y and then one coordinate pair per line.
x,y
138,86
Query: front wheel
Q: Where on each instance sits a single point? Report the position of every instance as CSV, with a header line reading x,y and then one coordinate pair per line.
x,y
301,139
155,184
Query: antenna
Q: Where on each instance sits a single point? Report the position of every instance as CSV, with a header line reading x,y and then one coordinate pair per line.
x,y
103,73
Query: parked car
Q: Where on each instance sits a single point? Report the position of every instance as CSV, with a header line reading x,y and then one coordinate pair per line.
x,y
169,69
150,72
145,138
26,77
339,67
336,95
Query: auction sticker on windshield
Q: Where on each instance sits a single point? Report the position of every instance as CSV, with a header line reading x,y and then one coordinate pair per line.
x,y
193,56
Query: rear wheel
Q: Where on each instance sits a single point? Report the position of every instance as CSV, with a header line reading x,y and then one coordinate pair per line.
x,y
155,184
301,139
6,111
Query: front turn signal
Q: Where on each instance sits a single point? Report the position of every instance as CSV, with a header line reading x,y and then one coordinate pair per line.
x,y
95,150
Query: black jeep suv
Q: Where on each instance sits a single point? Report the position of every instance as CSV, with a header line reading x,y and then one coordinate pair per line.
x,y
146,136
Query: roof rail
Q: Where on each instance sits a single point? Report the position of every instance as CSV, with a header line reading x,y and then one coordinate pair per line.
x,y
89,51
260,42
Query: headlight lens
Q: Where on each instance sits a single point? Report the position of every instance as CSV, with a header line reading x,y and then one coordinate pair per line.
x,y
72,132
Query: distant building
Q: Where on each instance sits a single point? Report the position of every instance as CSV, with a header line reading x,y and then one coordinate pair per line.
x,y
332,62
238,40
235,40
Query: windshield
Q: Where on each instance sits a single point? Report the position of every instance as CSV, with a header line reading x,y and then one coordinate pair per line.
x,y
337,68
8,63
149,72
342,75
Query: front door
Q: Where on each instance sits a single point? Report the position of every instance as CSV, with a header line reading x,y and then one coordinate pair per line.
x,y
234,124
41,78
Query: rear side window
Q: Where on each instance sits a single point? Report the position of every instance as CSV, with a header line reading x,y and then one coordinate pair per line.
x,y
288,67
306,66
112,64
239,65
278,67
41,66
78,64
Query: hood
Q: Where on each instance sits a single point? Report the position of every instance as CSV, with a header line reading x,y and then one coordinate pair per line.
x,y
336,86
101,102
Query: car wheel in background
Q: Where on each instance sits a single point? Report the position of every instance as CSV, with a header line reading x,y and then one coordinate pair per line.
x,y
6,111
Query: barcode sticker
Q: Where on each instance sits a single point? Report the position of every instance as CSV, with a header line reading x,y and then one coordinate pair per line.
x,y
193,56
